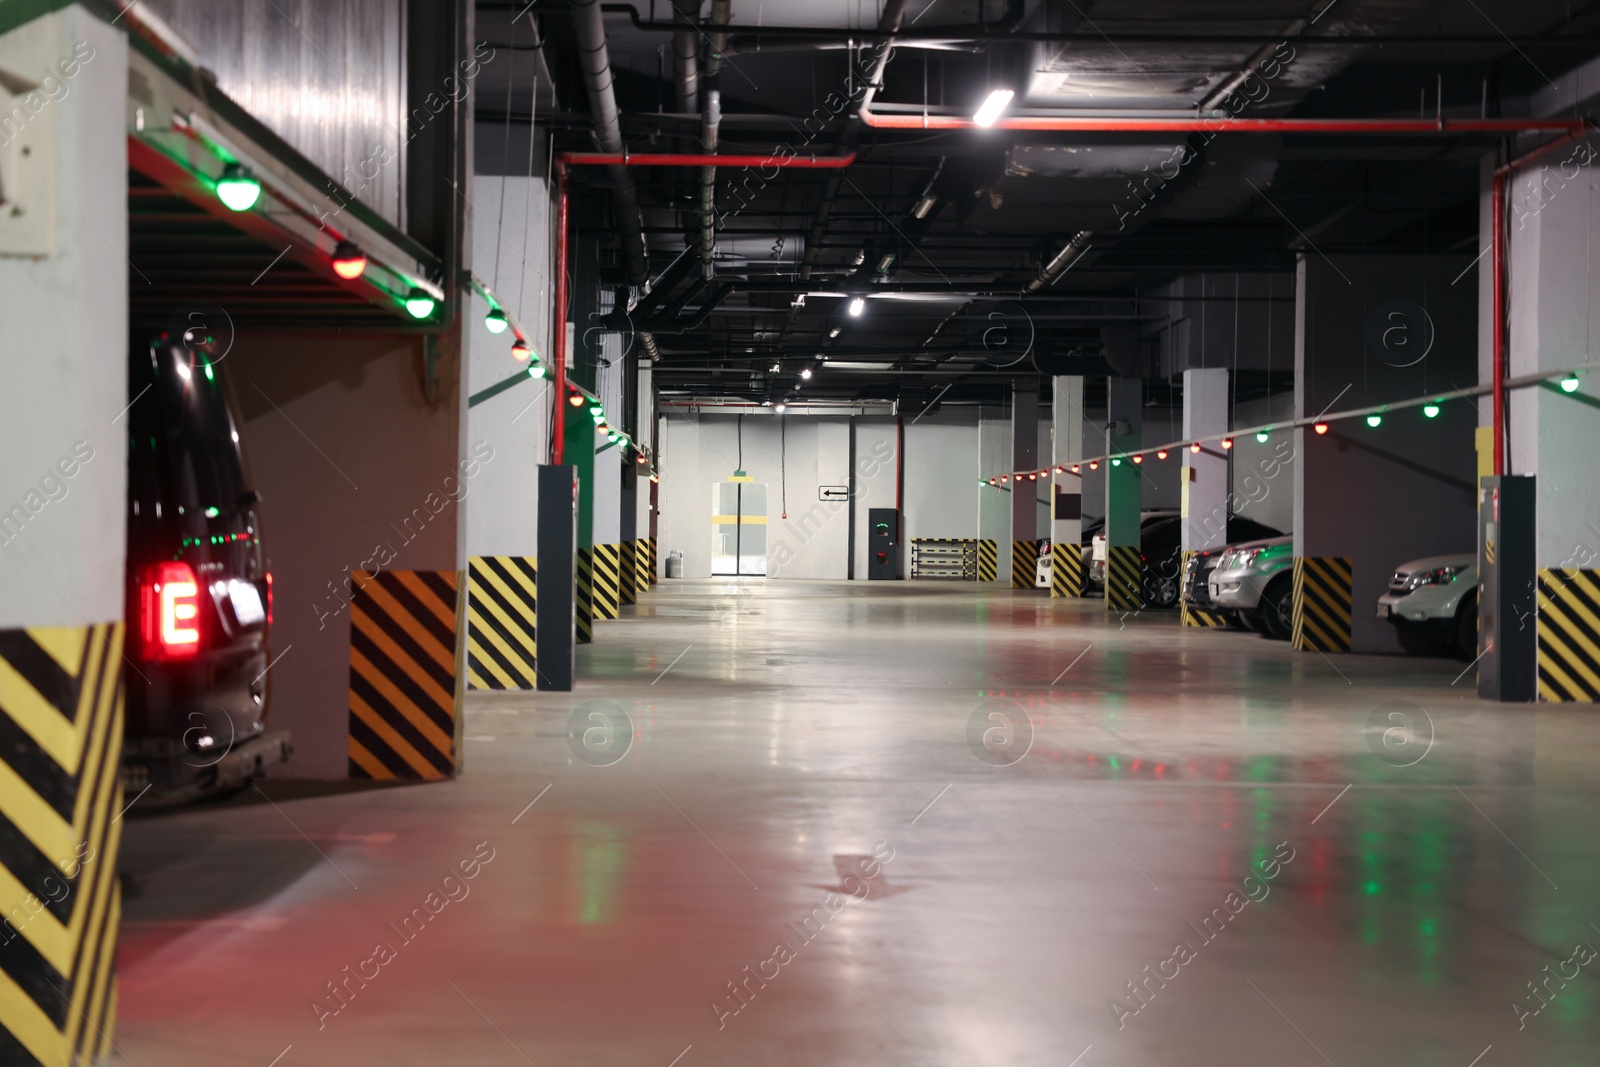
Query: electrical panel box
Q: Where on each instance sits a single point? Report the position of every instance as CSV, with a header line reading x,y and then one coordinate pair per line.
x,y
883,544
1508,633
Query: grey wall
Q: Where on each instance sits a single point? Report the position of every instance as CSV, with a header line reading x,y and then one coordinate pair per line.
x,y
1405,490
345,449
1261,477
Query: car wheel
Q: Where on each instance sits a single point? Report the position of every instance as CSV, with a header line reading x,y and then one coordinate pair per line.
x,y
1163,591
1249,620
1467,627
1277,608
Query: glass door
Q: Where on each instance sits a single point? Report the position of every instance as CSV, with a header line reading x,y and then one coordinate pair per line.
x,y
739,528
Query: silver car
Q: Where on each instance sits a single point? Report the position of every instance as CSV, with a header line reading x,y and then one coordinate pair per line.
x,y
1255,579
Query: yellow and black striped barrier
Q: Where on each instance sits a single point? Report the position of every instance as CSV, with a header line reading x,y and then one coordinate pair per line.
x,y
403,675
1024,564
627,573
1191,616
502,606
1322,596
607,567
988,560
1124,591
1569,635
1066,570
647,563
61,717
583,596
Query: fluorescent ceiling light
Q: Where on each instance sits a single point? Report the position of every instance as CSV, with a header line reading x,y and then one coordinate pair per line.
x,y
992,107
834,332
924,206
857,306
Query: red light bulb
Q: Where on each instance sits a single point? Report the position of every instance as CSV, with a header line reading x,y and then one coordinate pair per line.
x,y
1161,454
1195,447
349,262
1074,468
1227,442
1321,427
520,350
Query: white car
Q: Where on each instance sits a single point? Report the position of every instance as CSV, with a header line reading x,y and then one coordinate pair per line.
x,y
1436,599
1255,579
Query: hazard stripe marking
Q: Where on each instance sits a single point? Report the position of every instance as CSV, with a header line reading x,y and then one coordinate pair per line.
x,y
402,707
1323,590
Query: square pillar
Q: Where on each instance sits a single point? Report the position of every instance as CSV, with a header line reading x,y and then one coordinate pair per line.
x,y
1066,506
1024,492
1124,494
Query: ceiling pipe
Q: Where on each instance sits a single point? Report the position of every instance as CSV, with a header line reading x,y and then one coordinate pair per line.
x,y
595,60
1218,124
686,54
1215,98
710,124
1062,262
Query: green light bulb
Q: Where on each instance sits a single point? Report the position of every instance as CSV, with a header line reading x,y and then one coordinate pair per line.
x,y
1431,410
419,305
496,321
1262,436
1374,421
1569,384
237,188
1116,463
536,370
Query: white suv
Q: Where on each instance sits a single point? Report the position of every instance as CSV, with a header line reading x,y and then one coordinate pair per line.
x,y
1436,600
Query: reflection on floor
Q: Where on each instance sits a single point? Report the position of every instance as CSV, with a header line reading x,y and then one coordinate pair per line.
x,y
912,824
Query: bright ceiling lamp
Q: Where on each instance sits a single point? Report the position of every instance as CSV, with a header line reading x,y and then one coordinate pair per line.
x,y
858,304
496,321
806,373
349,262
998,101
780,408
420,304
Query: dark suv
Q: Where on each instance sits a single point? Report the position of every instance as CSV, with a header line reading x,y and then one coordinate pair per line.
x,y
199,598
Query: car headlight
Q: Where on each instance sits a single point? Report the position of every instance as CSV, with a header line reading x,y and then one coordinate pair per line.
x,y
1437,576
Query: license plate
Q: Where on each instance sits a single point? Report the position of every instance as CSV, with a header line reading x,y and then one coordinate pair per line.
x,y
246,603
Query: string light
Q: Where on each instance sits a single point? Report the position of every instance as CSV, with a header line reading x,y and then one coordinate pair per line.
x,y
1321,427
349,262
1094,465
520,350
1430,411
1074,468
496,321
1374,421
1570,383
1161,453
1195,447
576,400
238,189
1261,435
1116,462
536,370
1227,443
420,304
1138,459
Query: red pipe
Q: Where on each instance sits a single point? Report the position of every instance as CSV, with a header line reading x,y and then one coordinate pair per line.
x,y
559,419
1084,124
1497,267
679,159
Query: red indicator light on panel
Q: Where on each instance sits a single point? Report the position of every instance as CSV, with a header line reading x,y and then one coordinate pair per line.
x,y
1321,427
1227,442
170,609
349,262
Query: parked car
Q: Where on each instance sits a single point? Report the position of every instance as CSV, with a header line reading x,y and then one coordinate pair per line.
x,y
1255,579
1197,572
198,593
1434,602
1097,541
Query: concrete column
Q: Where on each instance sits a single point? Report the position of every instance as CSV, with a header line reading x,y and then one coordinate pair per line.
x,y
1066,513
580,439
1024,547
1372,329
994,503
1554,323
1204,499
1124,493
63,505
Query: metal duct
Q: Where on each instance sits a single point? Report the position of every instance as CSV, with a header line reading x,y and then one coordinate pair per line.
x,y
596,63
686,55
710,123
1063,260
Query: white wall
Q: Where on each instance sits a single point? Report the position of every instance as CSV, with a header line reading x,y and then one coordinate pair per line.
x,y
64,337
941,495
502,511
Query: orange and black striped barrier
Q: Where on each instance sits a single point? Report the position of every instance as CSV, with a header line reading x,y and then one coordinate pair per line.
x,y
1322,595
403,675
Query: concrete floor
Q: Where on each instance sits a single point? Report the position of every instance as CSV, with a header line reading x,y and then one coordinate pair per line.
x,y
782,731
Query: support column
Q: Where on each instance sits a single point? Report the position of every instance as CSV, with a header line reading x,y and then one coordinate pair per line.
x,y
1204,495
1124,494
1024,492
1066,507
579,442
63,513
1369,498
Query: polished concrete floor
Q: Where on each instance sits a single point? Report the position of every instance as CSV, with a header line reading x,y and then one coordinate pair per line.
x,y
912,824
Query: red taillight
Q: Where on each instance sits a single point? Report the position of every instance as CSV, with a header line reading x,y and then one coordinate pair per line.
x,y
171,609
269,598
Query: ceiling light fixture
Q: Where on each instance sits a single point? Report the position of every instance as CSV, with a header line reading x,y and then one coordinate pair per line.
x,y
997,102
858,304
924,206
806,373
